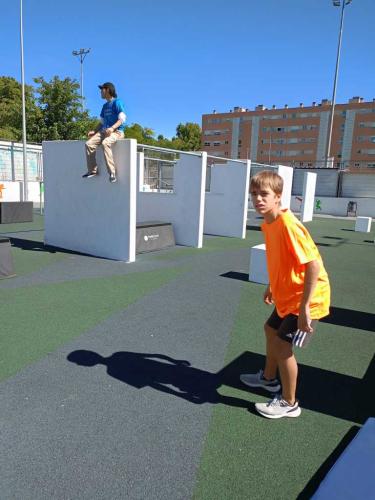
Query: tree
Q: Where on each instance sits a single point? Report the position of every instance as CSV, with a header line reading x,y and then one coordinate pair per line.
x,y
189,136
60,114
11,109
144,135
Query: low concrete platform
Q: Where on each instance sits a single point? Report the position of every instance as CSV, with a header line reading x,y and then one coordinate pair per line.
x,y
16,211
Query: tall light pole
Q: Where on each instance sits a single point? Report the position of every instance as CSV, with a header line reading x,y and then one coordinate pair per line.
x,y
24,190
342,4
81,53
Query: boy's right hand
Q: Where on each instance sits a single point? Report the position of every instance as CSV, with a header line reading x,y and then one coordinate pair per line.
x,y
267,297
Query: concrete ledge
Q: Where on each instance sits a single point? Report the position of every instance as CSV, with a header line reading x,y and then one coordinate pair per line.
x,y
258,272
363,224
353,475
16,211
6,261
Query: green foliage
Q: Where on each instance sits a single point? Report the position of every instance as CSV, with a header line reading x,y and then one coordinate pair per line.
x,y
190,136
11,108
144,135
61,116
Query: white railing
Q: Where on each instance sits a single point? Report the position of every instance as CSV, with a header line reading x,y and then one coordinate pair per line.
x,y
11,161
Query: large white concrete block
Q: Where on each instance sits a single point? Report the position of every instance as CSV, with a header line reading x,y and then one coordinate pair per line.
x,y
258,272
226,204
308,196
287,174
363,224
91,216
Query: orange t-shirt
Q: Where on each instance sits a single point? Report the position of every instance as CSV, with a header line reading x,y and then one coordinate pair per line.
x,y
289,247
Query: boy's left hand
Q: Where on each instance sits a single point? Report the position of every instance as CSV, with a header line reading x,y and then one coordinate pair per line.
x,y
304,321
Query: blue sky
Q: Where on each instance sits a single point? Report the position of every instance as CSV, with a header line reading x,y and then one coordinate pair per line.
x,y
173,61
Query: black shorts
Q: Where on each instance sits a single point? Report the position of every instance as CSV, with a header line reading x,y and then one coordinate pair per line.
x,y
287,329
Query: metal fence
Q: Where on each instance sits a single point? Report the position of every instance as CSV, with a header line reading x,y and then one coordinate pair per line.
x,y
11,161
159,166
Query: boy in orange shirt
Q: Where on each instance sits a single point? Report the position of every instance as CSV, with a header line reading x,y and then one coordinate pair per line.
x,y
299,289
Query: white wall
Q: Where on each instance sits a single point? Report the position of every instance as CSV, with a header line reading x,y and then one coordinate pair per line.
x,y
184,208
287,174
226,203
140,171
308,196
91,216
338,206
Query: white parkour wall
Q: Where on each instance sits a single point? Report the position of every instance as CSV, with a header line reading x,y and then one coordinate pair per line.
x,y
287,174
184,208
308,196
226,203
91,216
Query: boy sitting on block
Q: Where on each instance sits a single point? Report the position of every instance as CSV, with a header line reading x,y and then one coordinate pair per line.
x,y
298,288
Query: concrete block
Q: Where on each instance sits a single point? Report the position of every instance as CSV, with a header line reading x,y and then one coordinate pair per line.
x,y
363,224
353,475
6,261
258,272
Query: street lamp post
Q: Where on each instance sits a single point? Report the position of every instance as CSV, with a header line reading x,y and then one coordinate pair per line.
x,y
336,3
81,53
24,189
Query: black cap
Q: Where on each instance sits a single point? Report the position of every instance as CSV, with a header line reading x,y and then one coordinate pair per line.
x,y
110,87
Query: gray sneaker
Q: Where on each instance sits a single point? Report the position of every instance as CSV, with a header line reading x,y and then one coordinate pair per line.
x,y
278,408
258,380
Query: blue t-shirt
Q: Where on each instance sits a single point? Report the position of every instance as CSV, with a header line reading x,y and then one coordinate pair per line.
x,y
110,112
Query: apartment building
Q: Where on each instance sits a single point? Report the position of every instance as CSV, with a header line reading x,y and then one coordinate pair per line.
x,y
295,136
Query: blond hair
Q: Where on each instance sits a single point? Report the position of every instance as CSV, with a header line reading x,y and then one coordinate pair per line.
x,y
267,179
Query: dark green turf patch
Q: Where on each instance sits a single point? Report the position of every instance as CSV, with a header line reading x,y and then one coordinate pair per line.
x,y
37,320
29,261
21,227
28,258
247,456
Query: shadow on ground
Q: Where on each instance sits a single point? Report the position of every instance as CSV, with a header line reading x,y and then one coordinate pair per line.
x,y
160,372
319,390
39,246
234,275
350,318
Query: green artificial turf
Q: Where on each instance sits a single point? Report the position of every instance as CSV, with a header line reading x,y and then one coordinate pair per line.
x,y
36,256
36,320
246,456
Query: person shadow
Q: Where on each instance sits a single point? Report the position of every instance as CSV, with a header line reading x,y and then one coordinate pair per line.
x,y
162,373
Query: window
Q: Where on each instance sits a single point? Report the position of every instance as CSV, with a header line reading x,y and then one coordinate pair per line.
x,y
367,124
207,144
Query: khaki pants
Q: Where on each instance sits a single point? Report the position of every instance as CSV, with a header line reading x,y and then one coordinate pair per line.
x,y
107,142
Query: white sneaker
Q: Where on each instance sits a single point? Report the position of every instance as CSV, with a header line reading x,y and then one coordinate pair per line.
x,y
278,408
258,380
